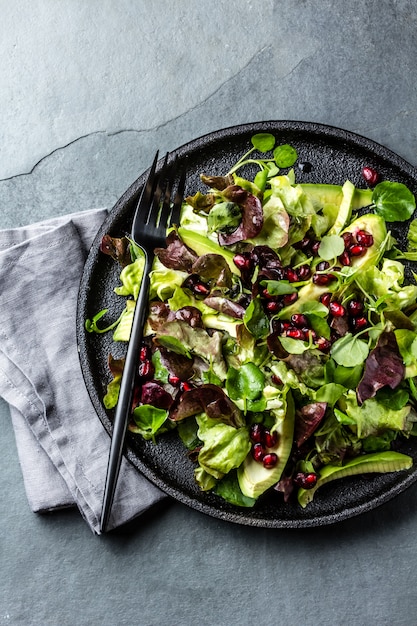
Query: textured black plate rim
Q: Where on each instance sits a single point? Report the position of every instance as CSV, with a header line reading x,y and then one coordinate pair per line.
x,y
197,502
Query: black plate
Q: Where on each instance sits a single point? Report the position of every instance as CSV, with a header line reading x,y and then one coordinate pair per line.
x,y
335,155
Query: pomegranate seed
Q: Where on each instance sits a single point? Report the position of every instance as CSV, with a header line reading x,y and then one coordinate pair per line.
x,y
258,452
323,344
299,320
323,279
200,289
273,306
370,175
304,272
306,480
289,298
364,238
325,298
304,244
271,439
336,309
144,353
344,258
347,238
280,326
265,293
357,250
292,275
276,380
355,308
185,386
146,369
359,323
270,460
174,380
256,433
315,248
295,333
323,265
242,261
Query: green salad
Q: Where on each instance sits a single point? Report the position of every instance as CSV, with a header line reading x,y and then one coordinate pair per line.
x,y
281,340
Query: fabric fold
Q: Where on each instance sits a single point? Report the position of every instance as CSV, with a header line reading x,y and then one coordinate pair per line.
x,y
62,446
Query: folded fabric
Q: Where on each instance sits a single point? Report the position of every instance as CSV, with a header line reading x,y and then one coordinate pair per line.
x,y
62,446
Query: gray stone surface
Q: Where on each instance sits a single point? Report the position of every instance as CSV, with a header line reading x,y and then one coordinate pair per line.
x,y
88,90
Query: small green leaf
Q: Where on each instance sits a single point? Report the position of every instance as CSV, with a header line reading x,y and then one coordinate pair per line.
x,y
349,351
285,155
255,319
247,382
293,346
279,287
263,142
393,201
331,246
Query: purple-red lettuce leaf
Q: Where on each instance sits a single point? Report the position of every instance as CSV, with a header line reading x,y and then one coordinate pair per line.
x,y
154,393
176,255
252,215
211,400
118,248
307,420
384,367
214,269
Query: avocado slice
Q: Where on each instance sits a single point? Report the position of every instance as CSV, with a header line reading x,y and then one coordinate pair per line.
x,y
321,195
202,245
254,479
375,225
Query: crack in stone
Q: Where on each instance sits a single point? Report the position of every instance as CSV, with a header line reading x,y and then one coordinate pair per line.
x,y
146,130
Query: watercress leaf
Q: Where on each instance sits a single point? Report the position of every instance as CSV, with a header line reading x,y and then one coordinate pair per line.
x,y
256,320
263,141
331,246
285,155
319,325
393,399
349,377
330,393
349,350
228,488
247,382
313,307
293,346
393,201
278,287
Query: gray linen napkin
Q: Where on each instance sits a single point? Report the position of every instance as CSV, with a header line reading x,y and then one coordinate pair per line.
x,y
62,446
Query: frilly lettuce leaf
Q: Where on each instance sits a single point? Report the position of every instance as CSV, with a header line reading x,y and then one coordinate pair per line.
x,y
224,447
387,284
372,417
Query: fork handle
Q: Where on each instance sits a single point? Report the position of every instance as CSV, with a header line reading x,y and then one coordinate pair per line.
x,y
124,404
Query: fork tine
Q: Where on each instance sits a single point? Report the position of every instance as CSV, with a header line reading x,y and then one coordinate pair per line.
x,y
166,205
142,207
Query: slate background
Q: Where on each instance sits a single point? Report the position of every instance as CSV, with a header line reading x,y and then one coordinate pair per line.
x,y
87,92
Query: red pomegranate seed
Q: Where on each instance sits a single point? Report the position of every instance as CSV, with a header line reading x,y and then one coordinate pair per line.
x,y
315,248
289,298
271,439
356,250
347,238
306,480
344,258
299,320
144,353
364,238
292,275
273,306
270,460
242,262
276,380
325,298
370,175
323,279
174,380
256,433
355,308
185,386
323,344
323,265
258,452
336,309
200,289
295,333
304,272
359,323
146,369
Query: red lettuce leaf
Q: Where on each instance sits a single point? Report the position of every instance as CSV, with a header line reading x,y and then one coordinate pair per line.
x,y
384,367
154,393
211,400
176,255
252,215
307,419
118,248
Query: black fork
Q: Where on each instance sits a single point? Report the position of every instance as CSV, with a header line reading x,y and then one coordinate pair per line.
x,y
157,209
